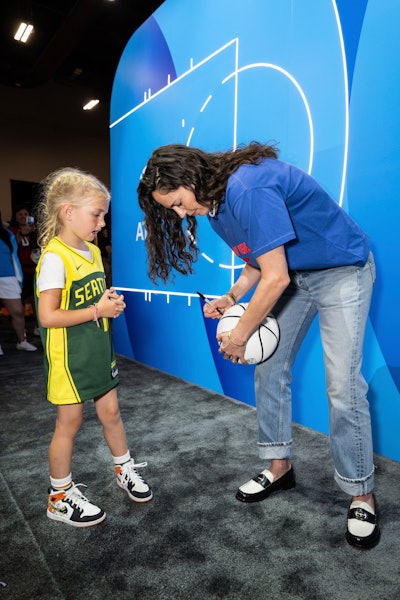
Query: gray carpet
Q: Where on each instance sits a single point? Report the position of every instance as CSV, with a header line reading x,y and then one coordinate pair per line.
x,y
194,540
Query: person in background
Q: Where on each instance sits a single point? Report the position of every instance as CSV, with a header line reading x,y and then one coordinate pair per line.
x,y
74,308
303,256
10,287
22,224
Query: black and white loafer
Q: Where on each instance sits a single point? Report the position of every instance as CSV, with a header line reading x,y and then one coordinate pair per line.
x,y
263,484
362,525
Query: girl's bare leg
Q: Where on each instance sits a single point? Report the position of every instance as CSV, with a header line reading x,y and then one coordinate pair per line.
x,y
110,417
68,423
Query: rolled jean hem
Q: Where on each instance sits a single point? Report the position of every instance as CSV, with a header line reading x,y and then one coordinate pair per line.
x,y
275,451
358,487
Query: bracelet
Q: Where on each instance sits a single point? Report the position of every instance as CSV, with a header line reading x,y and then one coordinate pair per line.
x,y
95,314
230,297
234,343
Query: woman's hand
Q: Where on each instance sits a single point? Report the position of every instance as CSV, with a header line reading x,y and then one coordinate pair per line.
x,y
26,229
216,308
233,349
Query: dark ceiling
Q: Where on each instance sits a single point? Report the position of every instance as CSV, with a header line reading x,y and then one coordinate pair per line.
x,y
71,57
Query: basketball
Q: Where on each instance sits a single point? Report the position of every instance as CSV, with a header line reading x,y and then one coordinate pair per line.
x,y
263,341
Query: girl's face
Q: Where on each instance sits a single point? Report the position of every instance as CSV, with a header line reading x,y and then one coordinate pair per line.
x,y
83,223
182,201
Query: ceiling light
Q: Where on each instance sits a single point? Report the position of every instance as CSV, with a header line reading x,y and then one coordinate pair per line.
x,y
24,31
91,104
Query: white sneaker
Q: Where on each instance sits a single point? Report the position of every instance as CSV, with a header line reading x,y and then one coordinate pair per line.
x,y
25,345
129,480
36,331
73,508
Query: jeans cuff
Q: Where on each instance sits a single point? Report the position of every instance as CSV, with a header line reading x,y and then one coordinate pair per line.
x,y
268,451
356,487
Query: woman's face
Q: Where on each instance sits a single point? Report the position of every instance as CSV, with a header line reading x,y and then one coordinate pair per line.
x,y
182,201
21,215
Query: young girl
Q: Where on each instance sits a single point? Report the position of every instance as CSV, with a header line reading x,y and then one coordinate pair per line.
x,y
74,308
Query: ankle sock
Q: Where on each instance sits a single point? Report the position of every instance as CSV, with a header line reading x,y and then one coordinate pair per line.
x,y
120,460
61,484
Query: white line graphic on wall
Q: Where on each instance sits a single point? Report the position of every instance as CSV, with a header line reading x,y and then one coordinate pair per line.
x,y
233,266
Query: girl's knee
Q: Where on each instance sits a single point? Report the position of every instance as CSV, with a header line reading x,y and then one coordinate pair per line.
x,y
107,408
109,415
69,419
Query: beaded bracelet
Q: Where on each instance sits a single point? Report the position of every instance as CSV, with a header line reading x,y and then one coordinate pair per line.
x,y
231,297
95,314
234,343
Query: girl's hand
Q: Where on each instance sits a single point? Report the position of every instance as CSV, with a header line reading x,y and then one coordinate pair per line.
x,y
114,294
111,304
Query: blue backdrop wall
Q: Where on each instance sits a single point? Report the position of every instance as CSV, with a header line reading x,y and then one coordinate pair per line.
x,y
318,77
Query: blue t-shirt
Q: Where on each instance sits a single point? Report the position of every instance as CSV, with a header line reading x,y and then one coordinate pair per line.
x,y
8,266
273,204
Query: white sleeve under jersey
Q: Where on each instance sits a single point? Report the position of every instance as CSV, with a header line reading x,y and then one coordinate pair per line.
x,y
52,273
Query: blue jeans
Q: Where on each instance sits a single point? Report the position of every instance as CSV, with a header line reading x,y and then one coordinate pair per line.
x,y
341,296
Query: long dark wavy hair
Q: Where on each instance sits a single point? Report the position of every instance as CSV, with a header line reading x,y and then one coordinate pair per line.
x,y
170,240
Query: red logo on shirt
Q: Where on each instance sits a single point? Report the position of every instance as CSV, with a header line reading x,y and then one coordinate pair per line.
x,y
240,250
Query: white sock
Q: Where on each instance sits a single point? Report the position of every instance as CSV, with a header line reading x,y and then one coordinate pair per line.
x,y
60,484
120,460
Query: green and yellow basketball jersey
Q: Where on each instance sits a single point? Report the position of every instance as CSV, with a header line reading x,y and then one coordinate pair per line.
x,y
79,361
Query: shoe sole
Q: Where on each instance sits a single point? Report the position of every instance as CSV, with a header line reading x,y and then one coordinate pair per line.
x,y
135,498
57,517
27,349
368,542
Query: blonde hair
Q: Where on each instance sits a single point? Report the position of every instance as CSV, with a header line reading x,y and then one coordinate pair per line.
x,y
64,186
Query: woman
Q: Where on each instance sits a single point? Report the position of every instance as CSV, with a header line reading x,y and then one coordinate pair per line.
x,y
10,287
304,256
22,225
